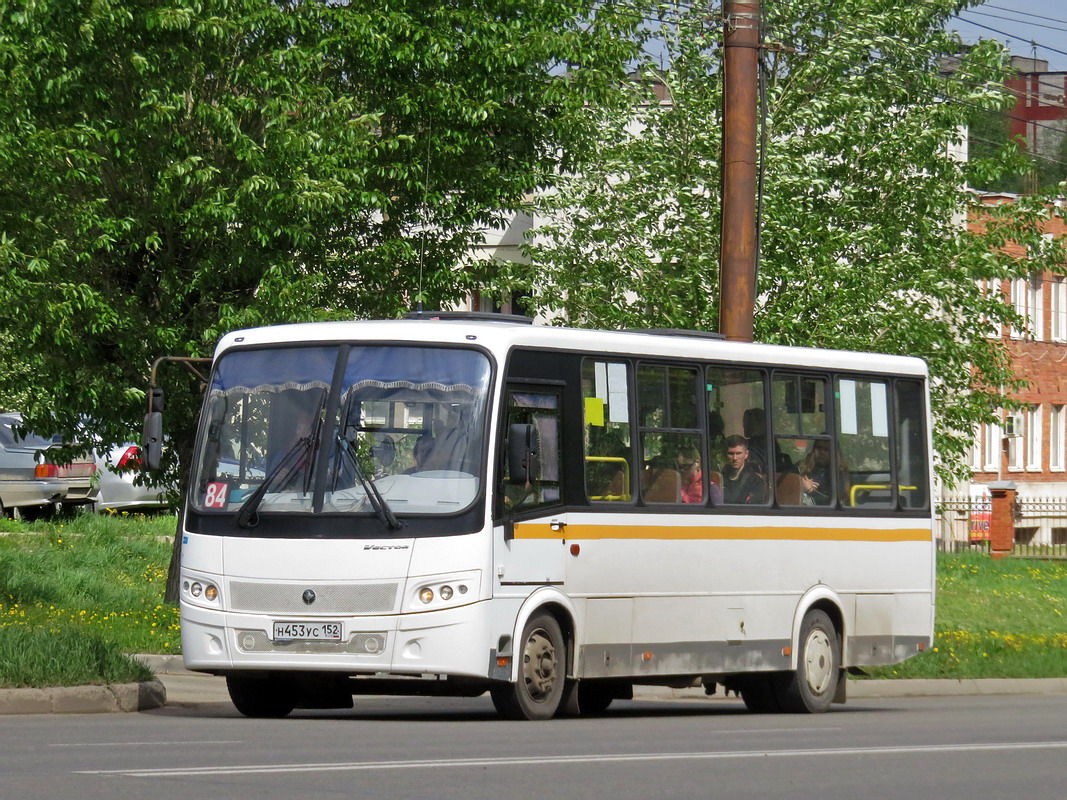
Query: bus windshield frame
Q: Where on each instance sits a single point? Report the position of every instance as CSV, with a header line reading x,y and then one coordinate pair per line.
x,y
369,432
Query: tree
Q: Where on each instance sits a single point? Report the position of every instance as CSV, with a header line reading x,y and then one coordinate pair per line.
x,y
172,170
863,245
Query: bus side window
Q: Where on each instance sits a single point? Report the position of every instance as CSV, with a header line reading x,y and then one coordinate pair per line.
x,y
606,432
911,446
671,440
737,424
863,438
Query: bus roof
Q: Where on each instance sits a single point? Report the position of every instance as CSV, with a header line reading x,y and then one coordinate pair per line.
x,y
499,337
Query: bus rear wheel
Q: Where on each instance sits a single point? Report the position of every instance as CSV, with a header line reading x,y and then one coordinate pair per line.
x,y
263,696
542,671
811,689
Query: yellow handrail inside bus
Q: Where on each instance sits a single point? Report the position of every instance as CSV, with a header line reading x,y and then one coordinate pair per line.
x,y
864,486
625,496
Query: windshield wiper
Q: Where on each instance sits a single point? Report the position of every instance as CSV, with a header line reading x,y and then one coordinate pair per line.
x,y
370,488
298,457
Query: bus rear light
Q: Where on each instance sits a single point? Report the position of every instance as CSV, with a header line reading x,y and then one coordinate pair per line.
x,y
46,471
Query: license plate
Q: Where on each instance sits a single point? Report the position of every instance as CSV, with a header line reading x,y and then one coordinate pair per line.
x,y
308,631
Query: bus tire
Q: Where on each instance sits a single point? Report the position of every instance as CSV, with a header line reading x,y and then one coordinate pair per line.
x,y
262,696
811,689
542,673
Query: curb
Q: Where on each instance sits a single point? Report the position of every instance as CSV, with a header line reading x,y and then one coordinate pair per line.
x,y
108,698
972,687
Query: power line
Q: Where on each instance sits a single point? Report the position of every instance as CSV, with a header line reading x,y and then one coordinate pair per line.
x,y
1009,19
1023,13
1012,35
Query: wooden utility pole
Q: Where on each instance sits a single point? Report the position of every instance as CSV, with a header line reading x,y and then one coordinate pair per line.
x,y
737,255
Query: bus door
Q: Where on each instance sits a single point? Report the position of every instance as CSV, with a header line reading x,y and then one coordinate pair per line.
x,y
532,538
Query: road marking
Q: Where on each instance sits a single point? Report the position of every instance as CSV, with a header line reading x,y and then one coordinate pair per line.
x,y
145,744
357,766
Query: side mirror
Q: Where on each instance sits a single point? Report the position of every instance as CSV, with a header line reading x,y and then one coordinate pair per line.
x,y
152,440
522,453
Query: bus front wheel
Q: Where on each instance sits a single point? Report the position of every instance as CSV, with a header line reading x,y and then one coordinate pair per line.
x,y
542,671
262,696
811,689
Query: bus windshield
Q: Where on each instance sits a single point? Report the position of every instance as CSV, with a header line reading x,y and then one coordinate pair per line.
x,y
342,429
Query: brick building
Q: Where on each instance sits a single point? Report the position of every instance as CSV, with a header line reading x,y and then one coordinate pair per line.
x,y
1029,446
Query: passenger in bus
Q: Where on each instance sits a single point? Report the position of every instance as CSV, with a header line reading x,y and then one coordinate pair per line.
x,y
688,461
692,489
815,475
742,482
420,453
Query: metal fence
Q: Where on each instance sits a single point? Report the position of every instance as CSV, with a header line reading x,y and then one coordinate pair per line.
x,y
962,523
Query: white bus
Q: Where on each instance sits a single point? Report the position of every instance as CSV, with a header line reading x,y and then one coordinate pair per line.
x,y
461,503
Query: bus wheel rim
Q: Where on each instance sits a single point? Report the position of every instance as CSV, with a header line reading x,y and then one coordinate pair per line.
x,y
818,661
539,665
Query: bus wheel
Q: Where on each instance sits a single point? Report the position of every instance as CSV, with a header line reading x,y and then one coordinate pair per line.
x,y
812,687
262,695
542,671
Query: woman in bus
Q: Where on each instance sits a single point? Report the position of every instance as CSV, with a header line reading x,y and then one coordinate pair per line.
x,y
815,475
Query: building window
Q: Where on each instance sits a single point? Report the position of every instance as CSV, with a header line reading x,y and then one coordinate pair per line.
x,y
1056,438
1013,430
1058,310
1033,438
1026,300
976,448
991,449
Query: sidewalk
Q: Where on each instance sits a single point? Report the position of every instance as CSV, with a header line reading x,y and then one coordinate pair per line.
x,y
175,685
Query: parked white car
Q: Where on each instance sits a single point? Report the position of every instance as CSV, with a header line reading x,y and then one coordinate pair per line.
x,y
117,470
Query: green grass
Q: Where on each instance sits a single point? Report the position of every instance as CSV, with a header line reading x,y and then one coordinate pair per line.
x,y
89,588
995,619
35,657
100,580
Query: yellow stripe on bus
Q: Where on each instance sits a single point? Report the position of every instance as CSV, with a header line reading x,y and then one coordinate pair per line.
x,y
533,530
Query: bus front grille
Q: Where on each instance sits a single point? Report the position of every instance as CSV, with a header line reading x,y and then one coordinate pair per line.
x,y
329,598
358,644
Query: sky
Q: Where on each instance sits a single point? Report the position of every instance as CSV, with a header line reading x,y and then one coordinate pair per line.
x,y
1017,24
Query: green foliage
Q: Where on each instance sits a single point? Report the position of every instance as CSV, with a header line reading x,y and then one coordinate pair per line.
x,y
862,242
174,170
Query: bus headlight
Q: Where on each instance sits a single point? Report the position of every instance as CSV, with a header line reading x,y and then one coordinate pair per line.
x,y
444,591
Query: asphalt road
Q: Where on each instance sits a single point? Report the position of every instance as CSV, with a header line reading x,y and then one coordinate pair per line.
x,y
443,749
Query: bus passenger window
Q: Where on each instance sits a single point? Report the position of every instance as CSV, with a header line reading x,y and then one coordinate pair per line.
x,y
737,436
911,446
671,441
606,432
863,439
